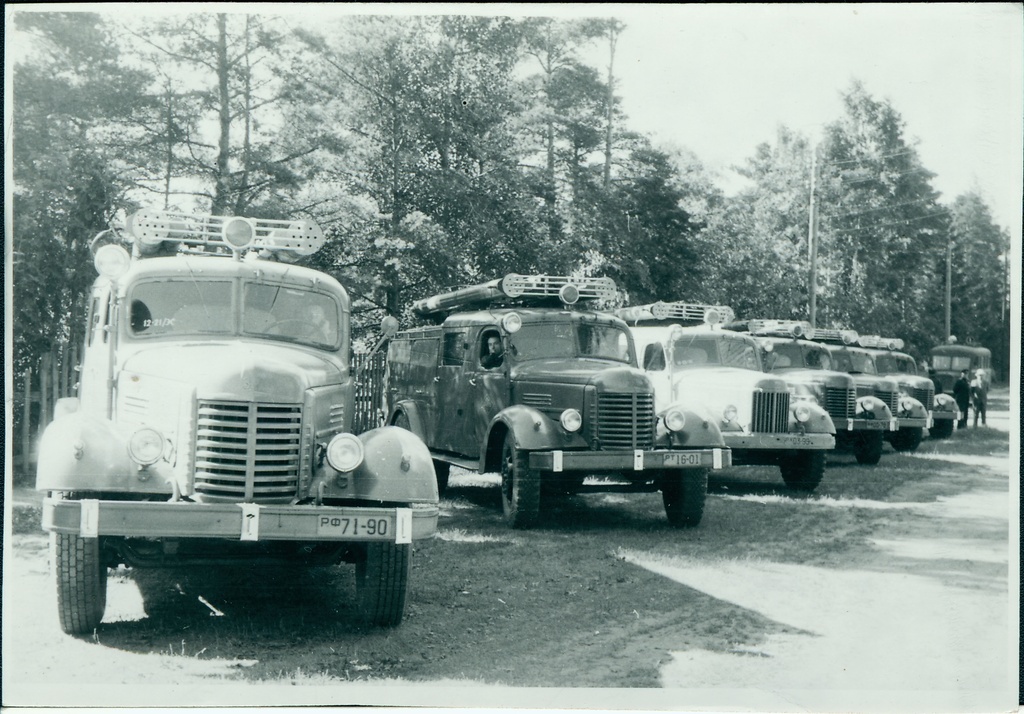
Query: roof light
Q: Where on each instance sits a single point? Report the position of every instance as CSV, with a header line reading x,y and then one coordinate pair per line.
x,y
691,312
512,322
567,289
111,261
238,233
569,294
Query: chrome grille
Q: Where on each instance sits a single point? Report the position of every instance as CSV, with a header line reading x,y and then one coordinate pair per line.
x,y
771,413
247,452
840,403
891,399
924,395
625,421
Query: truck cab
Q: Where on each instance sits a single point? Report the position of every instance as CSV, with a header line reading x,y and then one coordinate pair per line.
x,y
563,401
860,417
891,362
691,359
213,421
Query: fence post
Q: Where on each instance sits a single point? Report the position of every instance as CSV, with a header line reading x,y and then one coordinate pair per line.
x,y
54,377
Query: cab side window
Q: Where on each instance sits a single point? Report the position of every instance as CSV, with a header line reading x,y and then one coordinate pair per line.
x,y
654,358
491,352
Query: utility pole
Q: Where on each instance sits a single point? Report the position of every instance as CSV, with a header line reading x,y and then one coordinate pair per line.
x,y
949,288
812,248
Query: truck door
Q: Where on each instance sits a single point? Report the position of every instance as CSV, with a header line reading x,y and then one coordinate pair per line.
x,y
451,391
487,382
95,379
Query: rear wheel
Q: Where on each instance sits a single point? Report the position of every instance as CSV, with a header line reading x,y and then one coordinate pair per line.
x,y
803,471
684,494
382,582
868,448
81,583
942,429
520,487
907,439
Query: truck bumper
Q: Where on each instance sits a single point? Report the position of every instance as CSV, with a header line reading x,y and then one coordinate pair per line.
x,y
866,424
91,518
915,422
639,460
821,442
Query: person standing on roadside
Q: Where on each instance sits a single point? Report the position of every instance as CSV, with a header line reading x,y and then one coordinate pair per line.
x,y
979,397
962,395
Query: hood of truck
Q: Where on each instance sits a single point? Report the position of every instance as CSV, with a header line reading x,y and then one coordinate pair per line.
x,y
911,381
606,376
828,378
236,371
715,388
869,384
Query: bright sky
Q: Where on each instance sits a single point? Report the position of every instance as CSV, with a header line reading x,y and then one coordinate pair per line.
x,y
720,79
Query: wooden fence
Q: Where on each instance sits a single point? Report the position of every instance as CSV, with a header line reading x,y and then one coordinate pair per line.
x,y
36,391
369,401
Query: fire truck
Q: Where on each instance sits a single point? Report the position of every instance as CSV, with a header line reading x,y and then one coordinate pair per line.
x,y
909,417
861,418
890,361
518,380
690,358
213,422
950,359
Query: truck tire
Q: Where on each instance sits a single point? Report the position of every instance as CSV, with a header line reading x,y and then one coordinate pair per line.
x,y
907,439
684,494
442,469
520,487
868,448
804,470
942,429
382,582
81,583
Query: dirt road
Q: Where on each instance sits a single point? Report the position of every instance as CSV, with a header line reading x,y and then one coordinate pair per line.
x,y
889,587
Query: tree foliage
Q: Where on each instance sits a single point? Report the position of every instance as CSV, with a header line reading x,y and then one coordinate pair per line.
x,y
446,150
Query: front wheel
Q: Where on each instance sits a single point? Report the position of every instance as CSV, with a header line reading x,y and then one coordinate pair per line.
x,y
907,439
520,487
382,582
942,429
868,448
803,471
81,583
684,494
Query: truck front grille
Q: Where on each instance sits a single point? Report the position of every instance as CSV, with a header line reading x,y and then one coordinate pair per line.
x,y
247,452
625,421
924,395
891,399
771,413
841,403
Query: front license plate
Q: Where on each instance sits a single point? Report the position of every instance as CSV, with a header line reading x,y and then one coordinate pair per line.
x,y
355,526
682,460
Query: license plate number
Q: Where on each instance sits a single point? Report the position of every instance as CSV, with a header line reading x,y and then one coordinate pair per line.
x,y
355,526
682,460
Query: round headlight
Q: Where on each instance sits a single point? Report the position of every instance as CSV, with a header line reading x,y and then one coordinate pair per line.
x,y
729,413
905,404
146,446
801,412
238,233
675,420
111,261
345,452
868,406
571,420
512,322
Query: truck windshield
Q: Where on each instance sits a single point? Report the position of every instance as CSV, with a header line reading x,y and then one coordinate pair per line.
x,y
690,352
894,364
545,340
853,362
205,307
793,354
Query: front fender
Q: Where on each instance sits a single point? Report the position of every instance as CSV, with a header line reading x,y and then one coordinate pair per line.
x,y
945,403
80,452
869,407
912,408
412,411
819,423
699,429
533,431
396,468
